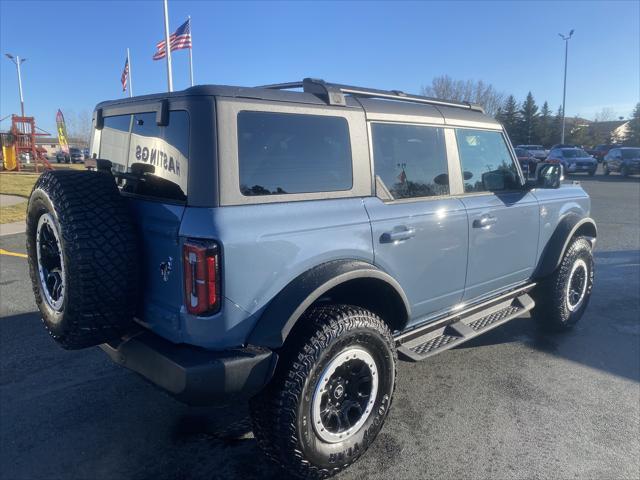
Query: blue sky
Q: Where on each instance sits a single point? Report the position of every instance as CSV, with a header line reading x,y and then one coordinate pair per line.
x,y
76,49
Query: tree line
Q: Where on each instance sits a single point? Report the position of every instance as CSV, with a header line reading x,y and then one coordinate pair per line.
x,y
526,122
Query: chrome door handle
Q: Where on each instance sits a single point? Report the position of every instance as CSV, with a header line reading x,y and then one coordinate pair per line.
x,y
398,235
484,222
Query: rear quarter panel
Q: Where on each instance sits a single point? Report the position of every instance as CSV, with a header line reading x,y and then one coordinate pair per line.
x,y
265,247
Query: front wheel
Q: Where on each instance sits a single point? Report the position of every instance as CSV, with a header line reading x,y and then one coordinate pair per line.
x,y
562,297
331,392
605,169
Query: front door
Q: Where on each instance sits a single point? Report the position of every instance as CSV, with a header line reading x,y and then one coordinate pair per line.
x,y
419,230
503,218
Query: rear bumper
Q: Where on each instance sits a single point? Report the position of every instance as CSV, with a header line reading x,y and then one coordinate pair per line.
x,y
193,375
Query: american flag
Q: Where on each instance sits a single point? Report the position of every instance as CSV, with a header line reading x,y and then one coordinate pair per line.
x,y
178,40
125,75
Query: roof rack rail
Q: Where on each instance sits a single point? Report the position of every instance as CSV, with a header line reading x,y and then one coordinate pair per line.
x,y
334,94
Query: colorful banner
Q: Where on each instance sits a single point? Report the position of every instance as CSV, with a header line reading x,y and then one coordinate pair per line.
x,y
62,132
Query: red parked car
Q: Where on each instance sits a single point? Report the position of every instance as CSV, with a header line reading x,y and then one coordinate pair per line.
x,y
527,161
601,150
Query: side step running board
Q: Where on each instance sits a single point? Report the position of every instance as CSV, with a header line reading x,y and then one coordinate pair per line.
x,y
463,328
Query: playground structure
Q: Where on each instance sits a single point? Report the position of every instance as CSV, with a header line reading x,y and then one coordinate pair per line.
x,y
19,149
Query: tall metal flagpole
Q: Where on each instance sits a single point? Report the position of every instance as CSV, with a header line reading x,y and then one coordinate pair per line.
x,y
167,46
130,75
190,54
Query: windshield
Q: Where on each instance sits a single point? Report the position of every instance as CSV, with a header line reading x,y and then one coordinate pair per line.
x,y
521,152
74,150
631,153
533,147
574,153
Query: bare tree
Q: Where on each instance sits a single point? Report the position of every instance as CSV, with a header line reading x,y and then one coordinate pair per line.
x,y
78,126
479,92
605,115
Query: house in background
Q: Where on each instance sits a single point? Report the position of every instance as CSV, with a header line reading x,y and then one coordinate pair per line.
x,y
52,146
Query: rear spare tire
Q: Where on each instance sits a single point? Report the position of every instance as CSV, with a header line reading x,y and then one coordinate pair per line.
x,y
82,252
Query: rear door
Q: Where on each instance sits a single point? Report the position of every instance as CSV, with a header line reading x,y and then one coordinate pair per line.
x,y
156,161
419,229
503,217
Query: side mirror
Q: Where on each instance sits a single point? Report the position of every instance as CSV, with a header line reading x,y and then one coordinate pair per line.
x,y
549,175
442,179
493,181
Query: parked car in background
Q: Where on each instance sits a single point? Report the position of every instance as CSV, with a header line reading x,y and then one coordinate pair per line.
x,y
625,160
564,145
600,151
574,160
85,152
527,161
76,155
537,151
62,157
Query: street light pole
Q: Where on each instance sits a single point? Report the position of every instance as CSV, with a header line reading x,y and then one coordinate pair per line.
x,y
18,61
566,39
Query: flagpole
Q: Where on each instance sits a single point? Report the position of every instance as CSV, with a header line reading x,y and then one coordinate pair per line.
x,y
130,75
190,54
167,46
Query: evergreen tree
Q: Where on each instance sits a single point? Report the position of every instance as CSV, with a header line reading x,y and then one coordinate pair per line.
x,y
544,127
528,121
556,127
632,137
510,118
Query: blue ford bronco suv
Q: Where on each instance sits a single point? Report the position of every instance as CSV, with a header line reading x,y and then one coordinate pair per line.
x,y
285,244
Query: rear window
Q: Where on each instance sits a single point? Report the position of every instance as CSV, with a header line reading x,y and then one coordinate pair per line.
x,y
135,144
282,153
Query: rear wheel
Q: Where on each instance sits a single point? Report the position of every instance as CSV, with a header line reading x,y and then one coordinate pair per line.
x,y
331,392
624,171
562,298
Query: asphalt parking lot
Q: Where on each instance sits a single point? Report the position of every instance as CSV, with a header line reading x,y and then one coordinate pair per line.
x,y
514,403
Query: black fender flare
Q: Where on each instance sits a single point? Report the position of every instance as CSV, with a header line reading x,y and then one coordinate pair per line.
x,y
567,228
282,313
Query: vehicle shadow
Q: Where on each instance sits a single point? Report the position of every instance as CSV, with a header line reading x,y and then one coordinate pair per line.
x,y
607,337
75,414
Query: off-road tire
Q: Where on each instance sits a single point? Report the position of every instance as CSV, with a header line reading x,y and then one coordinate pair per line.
x,y
98,246
624,171
552,308
281,414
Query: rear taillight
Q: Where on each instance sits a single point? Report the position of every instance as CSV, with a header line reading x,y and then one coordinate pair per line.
x,y
201,277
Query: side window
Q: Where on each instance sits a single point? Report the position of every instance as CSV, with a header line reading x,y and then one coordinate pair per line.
x,y
487,165
283,153
114,141
410,160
